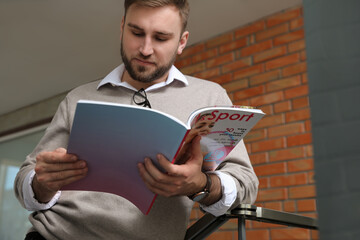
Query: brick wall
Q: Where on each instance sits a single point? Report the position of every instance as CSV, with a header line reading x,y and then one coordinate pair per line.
x,y
263,64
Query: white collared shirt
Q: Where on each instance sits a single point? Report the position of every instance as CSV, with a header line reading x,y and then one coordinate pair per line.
x,y
114,78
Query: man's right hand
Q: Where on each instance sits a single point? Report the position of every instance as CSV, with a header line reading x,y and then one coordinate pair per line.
x,y
54,170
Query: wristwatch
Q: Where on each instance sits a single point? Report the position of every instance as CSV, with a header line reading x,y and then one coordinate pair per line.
x,y
197,197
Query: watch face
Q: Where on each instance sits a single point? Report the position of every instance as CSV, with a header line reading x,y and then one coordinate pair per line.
x,y
198,197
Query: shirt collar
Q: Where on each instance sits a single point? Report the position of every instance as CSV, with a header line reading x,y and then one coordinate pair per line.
x,y
114,78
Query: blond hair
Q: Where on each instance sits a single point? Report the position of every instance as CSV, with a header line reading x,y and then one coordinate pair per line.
x,y
181,5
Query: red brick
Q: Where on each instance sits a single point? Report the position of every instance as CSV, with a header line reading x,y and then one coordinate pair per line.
x,y
265,195
233,45
307,191
192,69
249,71
267,109
298,115
286,129
243,102
267,99
246,62
308,125
270,120
297,92
220,60
274,205
311,177
250,29
223,78
297,23
262,234
204,55
301,102
220,40
283,61
289,206
283,17
255,48
258,158
307,205
236,85
282,107
192,50
315,235
297,140
283,83
183,62
303,55
300,165
294,69
255,135
262,225
296,46
208,74
270,54
272,32
309,150
290,233
288,180
305,78
286,154
221,235
263,183
265,77
249,92
289,37
267,145
270,169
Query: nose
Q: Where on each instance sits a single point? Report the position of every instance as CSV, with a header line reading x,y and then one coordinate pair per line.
x,y
146,48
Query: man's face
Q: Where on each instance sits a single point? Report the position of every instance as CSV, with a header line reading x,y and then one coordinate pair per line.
x,y
150,40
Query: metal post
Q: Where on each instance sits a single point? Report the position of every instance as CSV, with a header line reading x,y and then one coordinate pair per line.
x,y
241,228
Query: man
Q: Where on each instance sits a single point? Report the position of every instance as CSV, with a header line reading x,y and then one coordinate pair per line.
x,y
152,34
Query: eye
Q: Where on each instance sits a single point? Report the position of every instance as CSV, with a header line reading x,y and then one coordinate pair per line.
x,y
139,34
161,39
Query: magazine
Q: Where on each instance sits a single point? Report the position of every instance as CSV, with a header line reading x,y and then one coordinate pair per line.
x,y
113,138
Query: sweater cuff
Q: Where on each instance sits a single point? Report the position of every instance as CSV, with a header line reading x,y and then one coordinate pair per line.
x,y
30,201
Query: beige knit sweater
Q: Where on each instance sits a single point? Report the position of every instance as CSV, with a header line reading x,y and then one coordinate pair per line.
x,y
92,215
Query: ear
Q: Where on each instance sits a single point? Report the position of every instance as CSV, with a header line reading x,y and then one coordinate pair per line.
x,y
183,41
122,26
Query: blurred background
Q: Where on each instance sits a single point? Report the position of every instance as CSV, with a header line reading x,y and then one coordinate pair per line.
x,y
296,60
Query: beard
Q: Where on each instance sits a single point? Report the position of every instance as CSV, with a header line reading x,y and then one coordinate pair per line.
x,y
139,73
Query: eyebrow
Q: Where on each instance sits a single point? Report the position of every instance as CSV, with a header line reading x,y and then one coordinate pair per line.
x,y
131,25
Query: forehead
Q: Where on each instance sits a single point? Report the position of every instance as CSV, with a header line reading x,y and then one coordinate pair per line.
x,y
159,19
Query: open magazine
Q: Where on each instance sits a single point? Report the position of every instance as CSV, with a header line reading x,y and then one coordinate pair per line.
x,y
113,138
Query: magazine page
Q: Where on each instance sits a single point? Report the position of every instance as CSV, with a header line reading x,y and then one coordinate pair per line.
x,y
221,129
112,139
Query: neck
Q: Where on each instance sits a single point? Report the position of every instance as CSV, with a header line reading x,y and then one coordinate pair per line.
x,y
137,84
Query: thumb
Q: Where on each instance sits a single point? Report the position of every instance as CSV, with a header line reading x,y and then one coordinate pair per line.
x,y
196,153
60,150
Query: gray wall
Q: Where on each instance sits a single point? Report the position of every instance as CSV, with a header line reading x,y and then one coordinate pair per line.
x,y
332,29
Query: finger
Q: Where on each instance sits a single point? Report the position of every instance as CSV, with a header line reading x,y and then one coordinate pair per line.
x,y
57,185
158,186
46,168
55,157
60,176
60,150
196,153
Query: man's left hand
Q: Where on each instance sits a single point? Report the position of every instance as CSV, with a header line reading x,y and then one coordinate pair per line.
x,y
177,180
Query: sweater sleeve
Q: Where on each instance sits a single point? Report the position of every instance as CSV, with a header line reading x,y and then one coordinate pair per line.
x,y
56,136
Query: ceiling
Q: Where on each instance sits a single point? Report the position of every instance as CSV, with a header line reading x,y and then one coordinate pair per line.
x,y
48,47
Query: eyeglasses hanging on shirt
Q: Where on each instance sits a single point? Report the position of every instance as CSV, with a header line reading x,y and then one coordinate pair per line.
x,y
140,98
